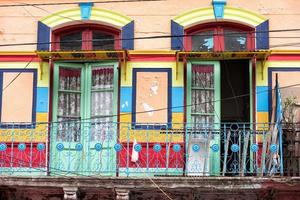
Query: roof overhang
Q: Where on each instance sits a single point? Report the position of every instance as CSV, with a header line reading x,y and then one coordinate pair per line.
x,y
81,55
228,55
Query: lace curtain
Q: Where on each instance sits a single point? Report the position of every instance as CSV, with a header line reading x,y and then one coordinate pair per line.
x,y
69,103
202,94
102,103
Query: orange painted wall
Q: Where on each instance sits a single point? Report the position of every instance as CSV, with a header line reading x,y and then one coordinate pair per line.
x,y
19,24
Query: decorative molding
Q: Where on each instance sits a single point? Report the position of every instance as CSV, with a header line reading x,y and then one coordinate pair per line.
x,y
85,9
218,6
97,14
204,15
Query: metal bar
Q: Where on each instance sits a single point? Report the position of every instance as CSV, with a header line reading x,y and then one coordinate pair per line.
x,y
226,152
246,142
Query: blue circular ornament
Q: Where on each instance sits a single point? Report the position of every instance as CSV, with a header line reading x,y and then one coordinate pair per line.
x,y
137,147
60,147
196,147
98,147
215,147
157,147
176,147
235,148
22,147
118,147
78,147
273,148
254,148
40,146
3,147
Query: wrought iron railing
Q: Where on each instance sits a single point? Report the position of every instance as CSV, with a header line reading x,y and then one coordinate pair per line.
x,y
124,149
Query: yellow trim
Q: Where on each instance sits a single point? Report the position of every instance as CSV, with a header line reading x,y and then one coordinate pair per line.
x,y
263,118
41,117
262,73
127,81
97,14
62,17
151,52
17,53
203,15
109,17
42,81
150,135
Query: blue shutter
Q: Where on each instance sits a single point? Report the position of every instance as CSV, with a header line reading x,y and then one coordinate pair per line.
x,y
128,36
43,37
262,35
176,36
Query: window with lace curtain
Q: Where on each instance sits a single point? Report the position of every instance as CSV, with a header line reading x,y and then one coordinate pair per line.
x,y
84,96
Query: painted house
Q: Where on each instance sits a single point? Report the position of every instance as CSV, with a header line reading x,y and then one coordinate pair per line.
x,y
149,100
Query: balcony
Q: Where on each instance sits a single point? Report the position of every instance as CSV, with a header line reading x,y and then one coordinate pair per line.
x,y
151,150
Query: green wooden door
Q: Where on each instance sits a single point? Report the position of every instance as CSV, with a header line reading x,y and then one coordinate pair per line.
x,y
203,117
84,119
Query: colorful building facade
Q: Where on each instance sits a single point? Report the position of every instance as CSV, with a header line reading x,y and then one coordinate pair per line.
x,y
146,89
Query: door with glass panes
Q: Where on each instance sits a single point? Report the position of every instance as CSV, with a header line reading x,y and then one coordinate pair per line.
x,y
84,128
203,117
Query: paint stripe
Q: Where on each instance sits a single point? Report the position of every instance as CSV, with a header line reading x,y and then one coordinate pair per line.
x,y
230,13
262,73
262,121
41,117
125,99
262,99
42,99
43,78
127,81
177,99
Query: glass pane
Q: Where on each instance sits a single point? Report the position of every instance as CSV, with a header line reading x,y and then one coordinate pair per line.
x,y
69,79
71,41
234,40
68,110
102,91
202,93
102,102
102,41
203,41
68,130
102,77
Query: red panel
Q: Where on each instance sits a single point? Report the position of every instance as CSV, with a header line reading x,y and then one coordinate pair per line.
x,y
18,58
30,157
154,159
284,57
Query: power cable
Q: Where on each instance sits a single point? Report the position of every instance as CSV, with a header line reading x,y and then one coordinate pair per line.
x,y
70,3
152,37
17,75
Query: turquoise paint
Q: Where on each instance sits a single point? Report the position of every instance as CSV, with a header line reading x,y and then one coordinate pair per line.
x,y
126,99
177,99
219,8
262,102
42,100
85,9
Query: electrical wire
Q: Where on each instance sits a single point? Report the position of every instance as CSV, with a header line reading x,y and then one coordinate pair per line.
x,y
70,3
17,75
155,37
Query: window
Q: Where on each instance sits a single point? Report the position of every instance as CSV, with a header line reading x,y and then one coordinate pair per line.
x,y
220,37
87,37
18,96
83,93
